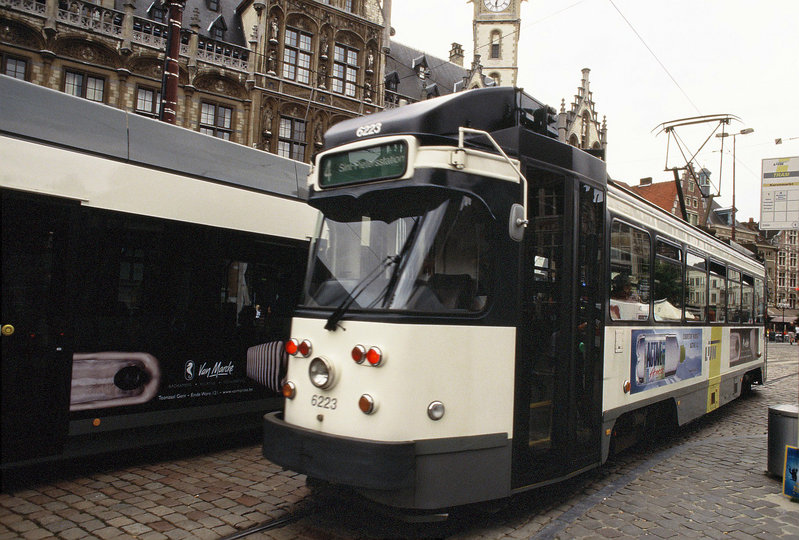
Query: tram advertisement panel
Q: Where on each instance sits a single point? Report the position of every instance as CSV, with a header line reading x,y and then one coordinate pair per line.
x,y
661,357
117,379
173,315
743,345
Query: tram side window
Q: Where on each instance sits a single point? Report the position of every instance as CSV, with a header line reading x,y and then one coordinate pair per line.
x,y
747,298
717,296
668,282
760,306
695,288
629,273
180,291
733,296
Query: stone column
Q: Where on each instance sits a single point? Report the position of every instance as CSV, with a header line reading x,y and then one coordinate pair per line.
x,y
127,27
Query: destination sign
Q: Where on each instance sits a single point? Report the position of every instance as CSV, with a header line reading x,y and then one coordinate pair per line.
x,y
779,194
379,162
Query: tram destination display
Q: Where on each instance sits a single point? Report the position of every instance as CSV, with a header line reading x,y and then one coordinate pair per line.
x,y
379,162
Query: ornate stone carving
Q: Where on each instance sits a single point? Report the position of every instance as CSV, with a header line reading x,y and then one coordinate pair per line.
x,y
274,31
147,67
267,121
18,34
218,85
87,52
318,134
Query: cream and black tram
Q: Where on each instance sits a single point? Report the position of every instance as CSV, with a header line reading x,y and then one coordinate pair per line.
x,y
460,338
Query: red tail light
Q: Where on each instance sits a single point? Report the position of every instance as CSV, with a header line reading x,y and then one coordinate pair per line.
x,y
374,356
295,347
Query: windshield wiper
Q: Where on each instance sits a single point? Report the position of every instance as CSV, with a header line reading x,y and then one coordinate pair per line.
x,y
335,317
392,282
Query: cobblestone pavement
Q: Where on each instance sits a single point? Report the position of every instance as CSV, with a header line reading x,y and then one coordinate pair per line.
x,y
709,481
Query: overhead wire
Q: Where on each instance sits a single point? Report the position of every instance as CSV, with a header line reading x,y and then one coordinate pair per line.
x,y
661,64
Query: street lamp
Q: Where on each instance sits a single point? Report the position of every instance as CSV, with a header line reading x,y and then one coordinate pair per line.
x,y
745,131
783,305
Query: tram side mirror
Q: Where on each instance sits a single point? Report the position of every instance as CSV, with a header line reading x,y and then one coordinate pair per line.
x,y
516,222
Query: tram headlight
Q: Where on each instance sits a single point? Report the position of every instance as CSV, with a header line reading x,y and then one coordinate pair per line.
x,y
320,371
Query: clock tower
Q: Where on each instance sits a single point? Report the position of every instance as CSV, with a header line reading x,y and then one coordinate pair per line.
x,y
496,38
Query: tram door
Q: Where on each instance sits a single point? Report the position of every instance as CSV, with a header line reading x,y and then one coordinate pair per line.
x,y
586,378
558,406
36,362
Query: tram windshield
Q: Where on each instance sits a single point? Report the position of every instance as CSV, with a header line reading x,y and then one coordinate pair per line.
x,y
433,259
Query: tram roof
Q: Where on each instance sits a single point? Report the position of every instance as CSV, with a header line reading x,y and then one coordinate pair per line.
x,y
32,112
487,109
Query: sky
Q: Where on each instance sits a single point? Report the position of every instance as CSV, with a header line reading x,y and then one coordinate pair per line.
x,y
652,62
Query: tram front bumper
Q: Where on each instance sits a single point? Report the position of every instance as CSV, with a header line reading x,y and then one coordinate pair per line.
x,y
341,460
424,474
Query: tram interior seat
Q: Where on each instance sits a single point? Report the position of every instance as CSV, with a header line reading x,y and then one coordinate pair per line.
x,y
455,291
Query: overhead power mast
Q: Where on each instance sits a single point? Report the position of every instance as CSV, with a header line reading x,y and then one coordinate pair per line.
x,y
670,128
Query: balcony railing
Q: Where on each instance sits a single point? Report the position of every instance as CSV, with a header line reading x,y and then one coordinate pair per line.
x,y
222,54
91,17
109,22
37,7
149,33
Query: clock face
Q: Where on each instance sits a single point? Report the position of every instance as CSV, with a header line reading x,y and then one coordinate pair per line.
x,y
496,5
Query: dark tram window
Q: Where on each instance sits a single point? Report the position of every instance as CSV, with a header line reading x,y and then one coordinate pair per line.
x,y
760,306
747,298
717,295
695,288
629,273
667,276
733,296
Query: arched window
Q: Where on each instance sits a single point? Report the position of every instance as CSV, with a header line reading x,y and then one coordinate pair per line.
x,y
585,128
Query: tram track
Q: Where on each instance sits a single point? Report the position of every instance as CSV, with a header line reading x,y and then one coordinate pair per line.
x,y
276,523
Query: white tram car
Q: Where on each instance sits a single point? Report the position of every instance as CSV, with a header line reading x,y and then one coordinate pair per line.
x,y
485,312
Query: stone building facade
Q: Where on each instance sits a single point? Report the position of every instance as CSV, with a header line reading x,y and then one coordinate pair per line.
x,y
271,74
579,125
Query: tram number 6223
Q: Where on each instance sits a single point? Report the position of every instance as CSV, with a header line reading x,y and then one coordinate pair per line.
x,y
324,402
